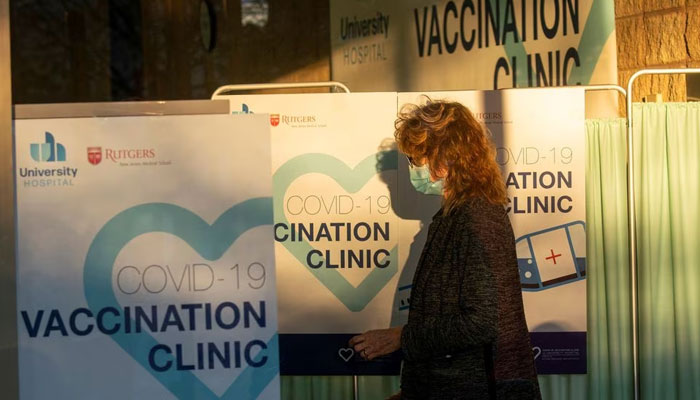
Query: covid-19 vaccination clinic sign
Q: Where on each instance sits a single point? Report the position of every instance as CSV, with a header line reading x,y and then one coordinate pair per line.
x,y
540,142
336,229
417,45
145,262
159,256
349,226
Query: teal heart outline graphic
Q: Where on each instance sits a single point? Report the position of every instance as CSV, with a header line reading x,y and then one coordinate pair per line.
x,y
352,180
590,46
210,241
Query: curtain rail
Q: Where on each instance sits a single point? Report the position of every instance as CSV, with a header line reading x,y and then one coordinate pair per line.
x,y
258,86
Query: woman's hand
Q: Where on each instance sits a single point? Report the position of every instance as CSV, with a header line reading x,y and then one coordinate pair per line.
x,y
376,343
395,396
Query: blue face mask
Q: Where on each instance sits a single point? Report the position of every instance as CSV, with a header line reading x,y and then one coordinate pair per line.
x,y
420,179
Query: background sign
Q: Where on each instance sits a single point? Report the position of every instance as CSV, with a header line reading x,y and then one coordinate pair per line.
x,y
540,142
417,45
336,226
145,258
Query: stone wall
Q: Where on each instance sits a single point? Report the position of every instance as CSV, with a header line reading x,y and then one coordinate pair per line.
x,y
657,34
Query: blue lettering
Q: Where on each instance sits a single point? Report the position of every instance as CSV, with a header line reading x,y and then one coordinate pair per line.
x,y
178,357
434,32
248,357
74,327
152,358
420,30
310,263
224,359
151,322
33,330
248,310
286,235
386,262
172,318
55,323
219,311
100,321
191,309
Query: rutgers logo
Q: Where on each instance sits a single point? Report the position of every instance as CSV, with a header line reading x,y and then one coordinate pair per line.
x,y
274,119
94,155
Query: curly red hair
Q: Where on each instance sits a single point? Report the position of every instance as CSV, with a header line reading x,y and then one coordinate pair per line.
x,y
450,139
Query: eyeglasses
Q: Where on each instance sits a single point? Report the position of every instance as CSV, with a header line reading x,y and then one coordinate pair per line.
x,y
410,162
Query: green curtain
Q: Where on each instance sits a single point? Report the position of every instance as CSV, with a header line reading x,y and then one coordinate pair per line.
x,y
338,387
610,373
668,205
668,215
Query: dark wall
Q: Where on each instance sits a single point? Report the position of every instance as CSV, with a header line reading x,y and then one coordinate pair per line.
x,y
293,46
60,51
693,82
110,50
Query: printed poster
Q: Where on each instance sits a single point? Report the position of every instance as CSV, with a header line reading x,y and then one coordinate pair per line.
x,y
339,260
540,145
145,262
419,45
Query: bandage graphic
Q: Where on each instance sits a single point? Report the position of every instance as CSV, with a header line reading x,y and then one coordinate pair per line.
x,y
404,296
552,257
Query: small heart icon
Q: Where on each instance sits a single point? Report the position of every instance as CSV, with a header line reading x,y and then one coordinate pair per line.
x,y
346,354
537,351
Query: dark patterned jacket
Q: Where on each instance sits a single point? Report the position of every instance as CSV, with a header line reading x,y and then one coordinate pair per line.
x,y
466,336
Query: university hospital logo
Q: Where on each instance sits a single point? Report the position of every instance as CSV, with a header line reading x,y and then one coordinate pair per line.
x,y
47,175
245,109
49,151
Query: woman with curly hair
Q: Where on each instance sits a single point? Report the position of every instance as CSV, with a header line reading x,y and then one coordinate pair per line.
x,y
466,336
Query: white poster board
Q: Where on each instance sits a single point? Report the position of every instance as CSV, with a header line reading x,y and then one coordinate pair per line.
x,y
540,141
338,256
145,263
419,45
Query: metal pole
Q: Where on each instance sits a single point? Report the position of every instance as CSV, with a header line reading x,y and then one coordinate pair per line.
x,y
593,88
8,289
631,213
259,86
355,388
587,88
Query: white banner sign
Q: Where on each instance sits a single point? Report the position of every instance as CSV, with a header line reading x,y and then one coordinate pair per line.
x,y
145,264
417,45
540,140
336,227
